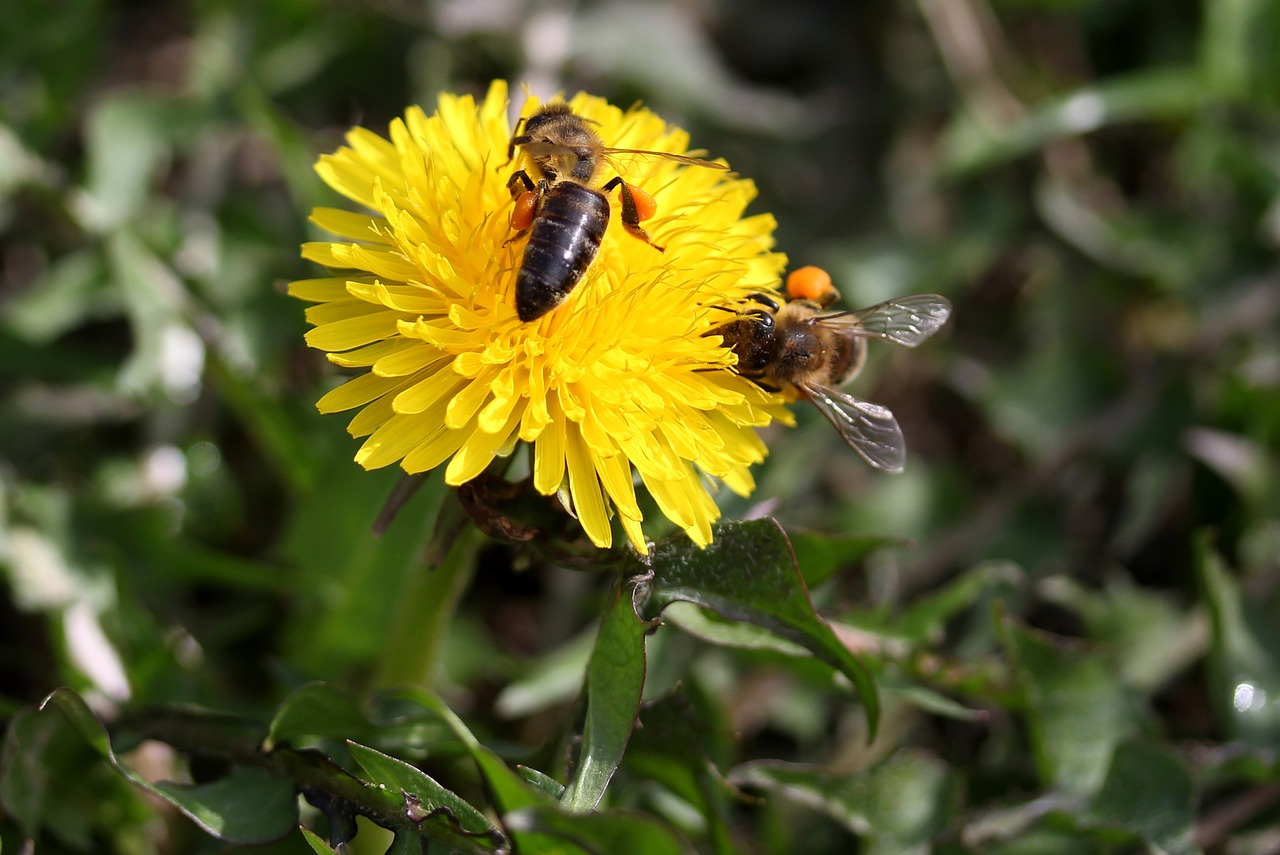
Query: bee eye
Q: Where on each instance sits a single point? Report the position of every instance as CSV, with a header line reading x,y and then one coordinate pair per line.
x,y
765,319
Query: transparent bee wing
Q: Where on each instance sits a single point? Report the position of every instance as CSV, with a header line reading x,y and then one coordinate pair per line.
x,y
678,158
540,149
869,429
902,320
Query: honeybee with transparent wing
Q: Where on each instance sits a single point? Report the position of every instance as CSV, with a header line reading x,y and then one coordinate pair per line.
x,y
796,345
559,207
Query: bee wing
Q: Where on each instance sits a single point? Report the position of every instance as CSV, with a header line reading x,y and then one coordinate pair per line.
x,y
541,148
869,429
902,320
678,158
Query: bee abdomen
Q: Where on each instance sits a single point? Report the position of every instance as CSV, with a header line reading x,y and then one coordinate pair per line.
x,y
563,241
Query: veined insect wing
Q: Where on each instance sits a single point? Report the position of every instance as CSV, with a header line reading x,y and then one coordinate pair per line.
x,y
869,429
902,320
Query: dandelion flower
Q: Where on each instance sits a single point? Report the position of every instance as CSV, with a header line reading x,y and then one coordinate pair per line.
x,y
617,387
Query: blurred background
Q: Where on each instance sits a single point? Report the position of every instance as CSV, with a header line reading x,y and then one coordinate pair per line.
x,y
1093,438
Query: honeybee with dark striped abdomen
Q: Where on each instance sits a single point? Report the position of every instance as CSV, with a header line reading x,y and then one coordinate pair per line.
x,y
560,207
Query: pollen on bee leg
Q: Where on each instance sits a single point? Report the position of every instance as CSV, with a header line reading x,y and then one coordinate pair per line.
x,y
646,207
522,213
811,283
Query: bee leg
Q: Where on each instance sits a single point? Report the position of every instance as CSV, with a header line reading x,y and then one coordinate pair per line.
x,y
764,300
525,183
631,216
516,139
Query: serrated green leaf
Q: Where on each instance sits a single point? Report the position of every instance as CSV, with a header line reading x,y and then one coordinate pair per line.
x,y
509,790
1148,792
749,573
427,806
1077,709
615,684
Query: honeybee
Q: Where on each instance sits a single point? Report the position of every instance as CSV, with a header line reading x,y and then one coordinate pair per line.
x,y
560,208
795,345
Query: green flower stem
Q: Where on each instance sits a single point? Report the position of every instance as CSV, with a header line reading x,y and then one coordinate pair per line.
x,y
421,620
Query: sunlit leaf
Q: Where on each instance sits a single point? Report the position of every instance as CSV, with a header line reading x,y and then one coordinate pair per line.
x,y
748,573
436,811
316,842
615,683
509,790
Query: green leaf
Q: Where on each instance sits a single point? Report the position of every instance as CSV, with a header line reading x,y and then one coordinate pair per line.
x,y
615,832
1159,94
247,806
906,800
317,709
615,683
1245,665
316,842
924,620
509,790
821,556
669,747
553,678
749,573
1077,709
427,806
541,781
1149,793
1238,50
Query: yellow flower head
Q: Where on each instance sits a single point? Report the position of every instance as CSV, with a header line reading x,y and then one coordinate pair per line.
x,y
618,378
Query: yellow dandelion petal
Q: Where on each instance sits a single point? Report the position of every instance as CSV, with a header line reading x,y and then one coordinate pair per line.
x,y
476,453
397,437
346,224
584,487
435,387
464,405
408,357
354,331
620,380
356,393
549,457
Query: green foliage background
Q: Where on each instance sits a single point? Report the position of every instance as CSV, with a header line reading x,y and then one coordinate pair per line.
x,y
1069,600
